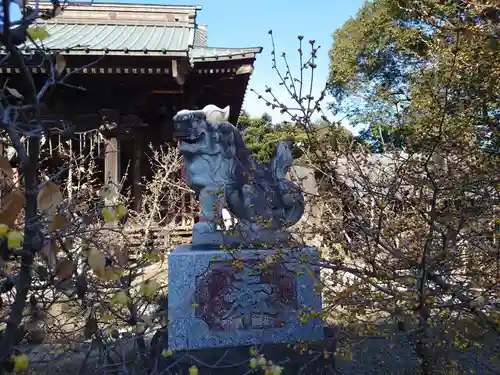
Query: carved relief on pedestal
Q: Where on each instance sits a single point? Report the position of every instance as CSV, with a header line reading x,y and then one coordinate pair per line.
x,y
229,298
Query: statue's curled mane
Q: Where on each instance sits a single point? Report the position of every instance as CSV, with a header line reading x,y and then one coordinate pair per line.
x,y
217,160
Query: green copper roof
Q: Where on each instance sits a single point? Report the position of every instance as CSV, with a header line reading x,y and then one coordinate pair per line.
x,y
74,38
121,39
212,53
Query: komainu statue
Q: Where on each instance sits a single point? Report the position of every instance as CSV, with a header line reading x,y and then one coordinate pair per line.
x,y
220,168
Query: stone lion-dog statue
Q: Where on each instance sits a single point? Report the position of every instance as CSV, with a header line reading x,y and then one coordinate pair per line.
x,y
220,168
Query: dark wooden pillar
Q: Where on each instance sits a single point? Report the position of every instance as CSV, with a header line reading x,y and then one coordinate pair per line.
x,y
137,151
3,147
112,161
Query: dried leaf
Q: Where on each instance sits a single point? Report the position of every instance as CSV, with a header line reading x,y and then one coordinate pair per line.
x,y
50,251
91,328
97,262
82,206
64,269
121,256
11,208
6,171
49,197
60,64
58,222
65,308
14,92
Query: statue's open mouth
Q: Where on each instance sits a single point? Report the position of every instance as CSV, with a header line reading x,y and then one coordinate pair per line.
x,y
193,138
184,131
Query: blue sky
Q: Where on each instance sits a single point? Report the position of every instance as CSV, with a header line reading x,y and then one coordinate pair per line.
x,y
246,23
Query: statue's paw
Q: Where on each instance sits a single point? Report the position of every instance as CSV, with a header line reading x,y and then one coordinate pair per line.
x,y
204,228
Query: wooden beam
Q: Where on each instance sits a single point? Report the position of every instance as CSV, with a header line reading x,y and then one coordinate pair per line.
x,y
180,70
3,146
131,70
175,72
112,161
137,151
165,92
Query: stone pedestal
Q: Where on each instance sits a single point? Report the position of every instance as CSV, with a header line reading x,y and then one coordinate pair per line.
x,y
222,298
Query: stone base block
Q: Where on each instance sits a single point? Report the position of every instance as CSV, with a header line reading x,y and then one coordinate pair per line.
x,y
219,298
235,238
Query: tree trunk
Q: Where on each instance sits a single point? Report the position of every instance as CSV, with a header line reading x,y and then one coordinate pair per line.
x,y
32,244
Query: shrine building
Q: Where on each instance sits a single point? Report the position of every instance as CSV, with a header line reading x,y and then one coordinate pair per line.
x,y
129,68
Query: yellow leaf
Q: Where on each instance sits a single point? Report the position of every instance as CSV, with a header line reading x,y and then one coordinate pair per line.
x,y
49,197
109,215
14,240
64,269
58,222
11,208
120,298
121,210
276,370
20,362
348,355
38,33
262,361
6,171
253,363
193,370
4,229
154,256
107,318
167,353
149,288
140,327
112,273
7,267
97,262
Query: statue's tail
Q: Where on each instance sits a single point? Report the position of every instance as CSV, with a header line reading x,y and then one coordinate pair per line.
x,y
291,196
282,160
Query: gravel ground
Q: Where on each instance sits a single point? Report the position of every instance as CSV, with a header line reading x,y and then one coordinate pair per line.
x,y
374,356
381,356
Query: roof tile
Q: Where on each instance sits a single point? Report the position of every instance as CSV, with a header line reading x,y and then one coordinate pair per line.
x,y
117,38
200,53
